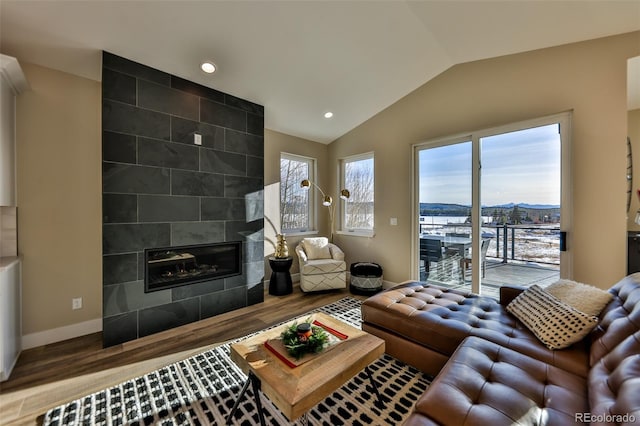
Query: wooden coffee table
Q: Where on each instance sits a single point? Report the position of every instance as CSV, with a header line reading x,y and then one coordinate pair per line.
x,y
296,390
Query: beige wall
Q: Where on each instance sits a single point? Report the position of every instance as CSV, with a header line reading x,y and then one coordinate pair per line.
x,y
59,193
633,124
274,144
587,78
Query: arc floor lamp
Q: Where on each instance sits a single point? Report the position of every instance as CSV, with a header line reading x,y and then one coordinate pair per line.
x,y
327,201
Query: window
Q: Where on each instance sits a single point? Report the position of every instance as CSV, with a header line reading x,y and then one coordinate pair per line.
x,y
295,206
357,177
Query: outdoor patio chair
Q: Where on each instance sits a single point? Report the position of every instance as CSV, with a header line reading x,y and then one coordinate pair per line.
x,y
466,262
430,251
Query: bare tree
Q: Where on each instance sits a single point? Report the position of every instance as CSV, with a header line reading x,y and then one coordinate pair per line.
x,y
359,182
294,205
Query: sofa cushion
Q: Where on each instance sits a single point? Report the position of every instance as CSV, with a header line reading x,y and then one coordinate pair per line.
x,y
486,384
585,298
316,248
555,323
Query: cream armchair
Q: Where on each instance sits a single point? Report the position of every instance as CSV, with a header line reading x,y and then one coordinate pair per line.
x,y
322,265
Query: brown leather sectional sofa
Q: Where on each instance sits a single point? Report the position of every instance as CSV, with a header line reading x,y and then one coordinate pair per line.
x,y
491,370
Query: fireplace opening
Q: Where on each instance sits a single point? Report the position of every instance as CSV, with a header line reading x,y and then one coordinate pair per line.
x,y
167,267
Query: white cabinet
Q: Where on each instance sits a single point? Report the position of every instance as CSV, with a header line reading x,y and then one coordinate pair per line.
x,y
12,82
10,314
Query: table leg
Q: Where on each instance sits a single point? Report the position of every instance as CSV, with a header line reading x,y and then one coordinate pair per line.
x,y
374,385
255,382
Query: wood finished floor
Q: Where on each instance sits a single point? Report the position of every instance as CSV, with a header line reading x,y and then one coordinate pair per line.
x,y
51,375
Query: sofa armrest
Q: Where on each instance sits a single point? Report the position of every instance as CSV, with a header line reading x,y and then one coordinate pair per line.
x,y
336,252
510,292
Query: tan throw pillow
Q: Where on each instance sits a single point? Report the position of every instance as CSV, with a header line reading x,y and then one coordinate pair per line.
x,y
585,298
316,248
556,324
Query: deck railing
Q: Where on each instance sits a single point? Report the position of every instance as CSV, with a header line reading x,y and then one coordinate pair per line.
x,y
530,243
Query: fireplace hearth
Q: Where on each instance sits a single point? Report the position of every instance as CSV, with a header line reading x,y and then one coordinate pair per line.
x,y
167,267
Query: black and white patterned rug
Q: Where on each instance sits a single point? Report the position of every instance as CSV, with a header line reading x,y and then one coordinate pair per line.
x,y
201,390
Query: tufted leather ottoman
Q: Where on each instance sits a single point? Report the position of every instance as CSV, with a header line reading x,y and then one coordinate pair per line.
x,y
423,325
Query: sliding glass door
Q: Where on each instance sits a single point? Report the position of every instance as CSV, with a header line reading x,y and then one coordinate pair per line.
x,y
445,212
498,201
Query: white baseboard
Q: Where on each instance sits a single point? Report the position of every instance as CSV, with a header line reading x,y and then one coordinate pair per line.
x,y
46,337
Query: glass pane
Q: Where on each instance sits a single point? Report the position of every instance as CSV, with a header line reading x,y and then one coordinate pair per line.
x,y
294,200
520,190
358,179
445,214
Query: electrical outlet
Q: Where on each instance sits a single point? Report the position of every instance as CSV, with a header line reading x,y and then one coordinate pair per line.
x,y
197,139
76,303
393,221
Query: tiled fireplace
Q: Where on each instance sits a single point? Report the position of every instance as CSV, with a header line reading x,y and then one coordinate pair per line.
x,y
161,191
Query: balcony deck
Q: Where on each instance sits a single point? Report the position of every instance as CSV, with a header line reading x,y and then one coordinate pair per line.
x,y
513,273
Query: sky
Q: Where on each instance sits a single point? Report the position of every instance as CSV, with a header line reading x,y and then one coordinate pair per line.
x,y
517,167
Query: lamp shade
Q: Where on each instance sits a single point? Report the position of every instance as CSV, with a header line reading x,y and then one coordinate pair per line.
x,y
345,194
305,184
327,200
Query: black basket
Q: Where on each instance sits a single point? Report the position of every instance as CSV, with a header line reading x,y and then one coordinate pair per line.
x,y
366,278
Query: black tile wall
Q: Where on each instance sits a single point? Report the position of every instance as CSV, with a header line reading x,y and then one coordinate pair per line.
x,y
168,208
152,152
198,183
124,118
188,233
222,115
160,189
170,315
157,97
119,147
134,179
120,268
120,208
228,163
134,237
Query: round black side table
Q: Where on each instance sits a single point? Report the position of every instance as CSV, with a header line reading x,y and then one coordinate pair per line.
x,y
280,283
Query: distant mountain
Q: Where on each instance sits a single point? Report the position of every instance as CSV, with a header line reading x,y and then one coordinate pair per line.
x,y
523,206
447,209
443,209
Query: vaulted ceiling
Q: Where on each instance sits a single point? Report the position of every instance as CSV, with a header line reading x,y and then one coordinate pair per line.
x,y
301,59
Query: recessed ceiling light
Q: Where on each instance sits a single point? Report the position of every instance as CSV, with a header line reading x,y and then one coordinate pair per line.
x,y
328,114
208,67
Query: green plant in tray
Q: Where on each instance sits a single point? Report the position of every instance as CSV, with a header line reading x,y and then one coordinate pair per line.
x,y
303,338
